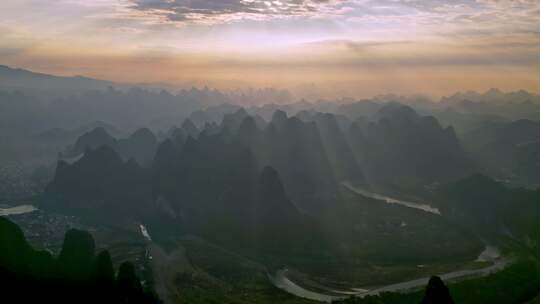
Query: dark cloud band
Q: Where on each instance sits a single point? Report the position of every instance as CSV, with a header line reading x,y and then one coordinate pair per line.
x,y
185,10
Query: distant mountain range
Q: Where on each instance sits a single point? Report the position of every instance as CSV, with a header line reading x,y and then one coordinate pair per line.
x,y
313,152
244,181
23,79
493,96
361,140
50,86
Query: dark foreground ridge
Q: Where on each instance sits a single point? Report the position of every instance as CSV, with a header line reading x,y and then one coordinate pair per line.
x,y
77,275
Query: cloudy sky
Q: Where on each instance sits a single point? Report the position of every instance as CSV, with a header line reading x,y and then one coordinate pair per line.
x,y
337,47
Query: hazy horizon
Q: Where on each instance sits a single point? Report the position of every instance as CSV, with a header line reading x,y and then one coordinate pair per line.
x,y
308,92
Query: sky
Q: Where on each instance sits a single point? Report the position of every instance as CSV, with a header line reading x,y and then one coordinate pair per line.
x,y
333,48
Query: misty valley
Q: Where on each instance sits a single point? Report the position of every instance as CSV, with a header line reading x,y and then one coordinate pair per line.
x,y
134,194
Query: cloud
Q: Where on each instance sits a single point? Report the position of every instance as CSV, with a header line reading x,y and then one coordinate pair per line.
x,y
216,11
439,17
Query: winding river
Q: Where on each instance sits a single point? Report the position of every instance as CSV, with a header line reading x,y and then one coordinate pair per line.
x,y
280,279
490,254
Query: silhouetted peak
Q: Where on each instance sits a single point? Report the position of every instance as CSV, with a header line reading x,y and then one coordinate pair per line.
x,y
279,117
306,115
240,113
327,121
270,183
103,155
190,128
110,129
166,148
127,279
78,240
190,144
77,254
98,131
231,122
259,121
437,292
177,134
274,205
396,111
210,129
493,91
143,135
235,117
248,126
93,139
104,267
295,124
451,132
430,121
188,124
327,117
132,163
13,244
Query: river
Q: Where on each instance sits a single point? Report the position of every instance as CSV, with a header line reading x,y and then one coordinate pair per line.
x,y
145,233
490,254
391,200
22,209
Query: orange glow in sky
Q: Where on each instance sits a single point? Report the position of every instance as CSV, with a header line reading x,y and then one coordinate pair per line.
x,y
340,47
